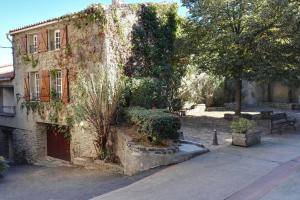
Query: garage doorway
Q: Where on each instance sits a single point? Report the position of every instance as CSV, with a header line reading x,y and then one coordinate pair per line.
x,y
58,142
6,148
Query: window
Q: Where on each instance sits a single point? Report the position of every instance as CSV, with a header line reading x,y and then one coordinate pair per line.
x,y
57,39
33,43
35,82
58,84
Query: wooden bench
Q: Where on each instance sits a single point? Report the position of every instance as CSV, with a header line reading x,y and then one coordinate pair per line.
x,y
281,120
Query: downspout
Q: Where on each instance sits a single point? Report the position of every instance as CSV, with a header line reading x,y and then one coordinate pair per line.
x,y
9,39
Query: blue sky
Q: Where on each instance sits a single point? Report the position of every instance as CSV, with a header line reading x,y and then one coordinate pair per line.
x,y
19,13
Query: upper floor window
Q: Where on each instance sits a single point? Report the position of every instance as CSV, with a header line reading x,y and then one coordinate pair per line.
x,y
57,84
33,43
35,83
57,39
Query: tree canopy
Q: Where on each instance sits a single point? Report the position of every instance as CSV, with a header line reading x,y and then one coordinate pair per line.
x,y
255,40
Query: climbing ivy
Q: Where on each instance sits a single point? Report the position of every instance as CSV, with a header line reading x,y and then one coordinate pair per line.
x,y
26,59
154,53
94,14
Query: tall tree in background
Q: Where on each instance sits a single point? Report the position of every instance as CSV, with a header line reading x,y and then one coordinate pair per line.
x,y
245,39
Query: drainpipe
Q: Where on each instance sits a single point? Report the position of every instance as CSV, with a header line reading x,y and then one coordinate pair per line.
x,y
9,39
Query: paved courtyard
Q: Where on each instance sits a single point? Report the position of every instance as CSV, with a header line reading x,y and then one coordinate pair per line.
x,y
267,171
59,183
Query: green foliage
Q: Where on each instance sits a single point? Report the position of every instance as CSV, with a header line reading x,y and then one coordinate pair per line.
x,y
252,40
97,97
60,129
94,14
202,88
242,125
26,59
33,106
154,52
53,108
34,62
3,166
157,124
146,92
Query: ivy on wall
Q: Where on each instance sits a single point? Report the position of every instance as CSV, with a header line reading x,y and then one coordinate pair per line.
x,y
154,53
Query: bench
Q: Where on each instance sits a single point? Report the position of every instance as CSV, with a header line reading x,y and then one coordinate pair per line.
x,y
281,120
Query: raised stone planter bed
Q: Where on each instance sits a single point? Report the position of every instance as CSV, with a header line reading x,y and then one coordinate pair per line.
x,y
246,139
136,158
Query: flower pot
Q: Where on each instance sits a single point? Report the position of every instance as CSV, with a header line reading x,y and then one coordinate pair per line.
x,y
246,139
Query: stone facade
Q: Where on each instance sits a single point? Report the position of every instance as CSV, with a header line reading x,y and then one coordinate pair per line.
x,y
136,158
256,93
111,46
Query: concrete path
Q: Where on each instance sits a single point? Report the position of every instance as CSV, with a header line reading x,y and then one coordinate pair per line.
x,y
267,171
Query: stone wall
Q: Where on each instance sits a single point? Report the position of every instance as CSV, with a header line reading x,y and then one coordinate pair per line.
x,y
136,158
112,48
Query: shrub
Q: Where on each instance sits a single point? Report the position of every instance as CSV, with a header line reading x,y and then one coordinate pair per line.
x,y
158,124
3,166
202,88
242,125
146,92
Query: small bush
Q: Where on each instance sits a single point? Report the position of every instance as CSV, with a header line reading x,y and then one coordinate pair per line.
x,y
242,125
146,92
3,166
158,124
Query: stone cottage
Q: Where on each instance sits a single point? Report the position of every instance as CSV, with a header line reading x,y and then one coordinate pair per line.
x,y
46,56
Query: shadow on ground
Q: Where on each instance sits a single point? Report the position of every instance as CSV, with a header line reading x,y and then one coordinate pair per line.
x,y
30,182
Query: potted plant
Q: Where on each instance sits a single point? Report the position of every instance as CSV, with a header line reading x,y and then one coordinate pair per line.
x,y
243,133
3,166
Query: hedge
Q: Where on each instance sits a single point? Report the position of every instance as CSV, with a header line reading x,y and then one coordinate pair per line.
x,y
146,92
3,166
156,123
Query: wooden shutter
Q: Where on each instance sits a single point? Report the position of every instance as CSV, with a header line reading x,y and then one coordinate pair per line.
x,y
23,44
65,85
44,86
26,88
43,41
64,37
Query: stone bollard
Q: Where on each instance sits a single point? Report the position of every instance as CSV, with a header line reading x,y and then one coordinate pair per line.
x,y
215,138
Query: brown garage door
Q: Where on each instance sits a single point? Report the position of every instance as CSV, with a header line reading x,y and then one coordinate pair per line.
x,y
57,145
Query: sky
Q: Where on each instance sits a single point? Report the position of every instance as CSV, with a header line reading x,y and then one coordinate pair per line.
x,y
18,13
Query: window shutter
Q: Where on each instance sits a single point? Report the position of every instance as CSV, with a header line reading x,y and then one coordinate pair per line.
x,y
44,86
43,41
64,37
23,44
65,85
26,88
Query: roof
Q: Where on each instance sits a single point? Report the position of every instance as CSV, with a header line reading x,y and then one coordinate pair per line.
x,y
49,21
6,72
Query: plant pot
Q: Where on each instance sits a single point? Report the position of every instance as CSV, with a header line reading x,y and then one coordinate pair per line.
x,y
246,139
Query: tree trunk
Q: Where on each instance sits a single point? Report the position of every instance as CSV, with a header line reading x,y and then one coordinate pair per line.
x,y
269,96
290,94
238,97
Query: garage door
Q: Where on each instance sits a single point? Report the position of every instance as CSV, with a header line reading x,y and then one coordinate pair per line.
x,y
57,145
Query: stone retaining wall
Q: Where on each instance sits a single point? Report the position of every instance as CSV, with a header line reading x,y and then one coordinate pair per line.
x,y
136,158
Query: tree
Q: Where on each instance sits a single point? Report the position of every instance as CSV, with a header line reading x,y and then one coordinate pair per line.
x,y
244,39
154,51
97,97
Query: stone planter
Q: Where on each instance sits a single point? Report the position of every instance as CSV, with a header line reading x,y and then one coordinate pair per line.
x,y
247,139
